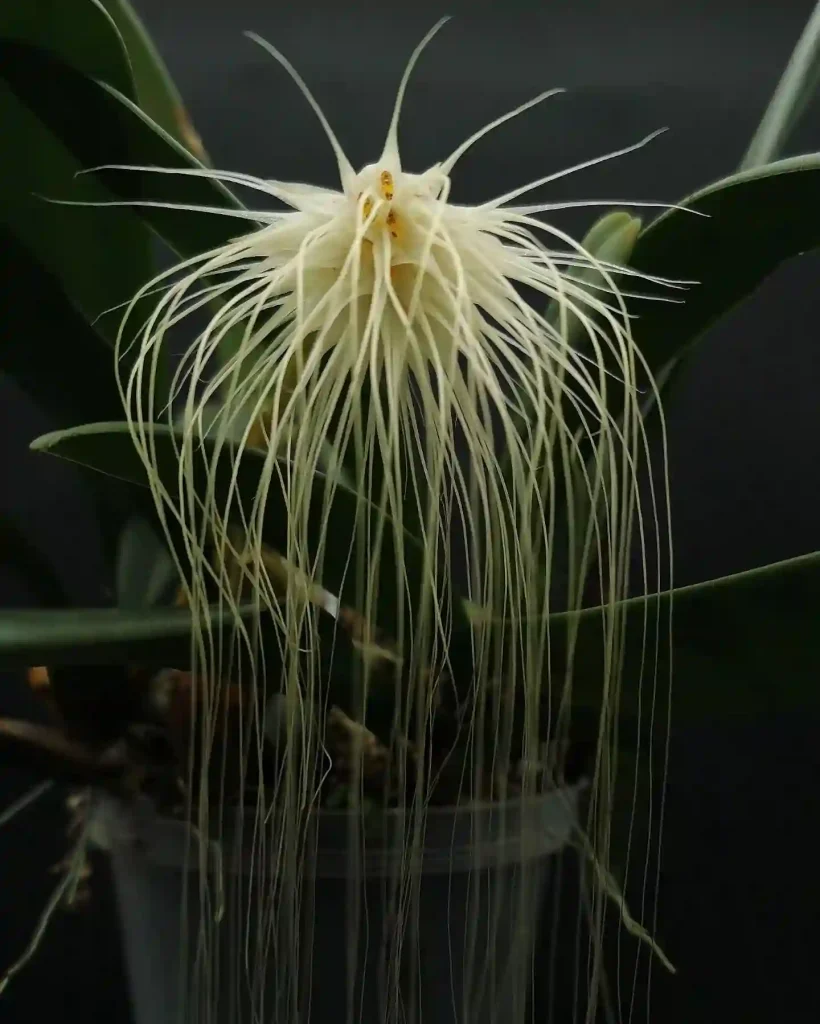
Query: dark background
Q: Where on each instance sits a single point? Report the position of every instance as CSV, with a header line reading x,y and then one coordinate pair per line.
x,y
739,897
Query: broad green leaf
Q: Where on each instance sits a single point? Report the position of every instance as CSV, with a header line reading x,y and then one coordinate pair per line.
x,y
157,94
96,636
240,421
741,644
145,570
113,130
60,361
794,92
85,637
79,32
754,221
108,448
101,257
745,644
728,238
47,343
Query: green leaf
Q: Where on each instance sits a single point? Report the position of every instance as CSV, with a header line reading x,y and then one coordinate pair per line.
x,y
100,257
793,94
240,422
728,238
86,637
46,342
79,32
755,221
741,644
745,644
157,94
96,636
108,448
60,361
145,570
113,130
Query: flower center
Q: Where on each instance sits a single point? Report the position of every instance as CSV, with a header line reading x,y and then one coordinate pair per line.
x,y
386,218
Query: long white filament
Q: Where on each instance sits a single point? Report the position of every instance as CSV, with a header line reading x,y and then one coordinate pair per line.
x,y
386,325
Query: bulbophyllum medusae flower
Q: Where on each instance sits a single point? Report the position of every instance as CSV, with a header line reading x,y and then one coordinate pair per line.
x,y
383,326
425,346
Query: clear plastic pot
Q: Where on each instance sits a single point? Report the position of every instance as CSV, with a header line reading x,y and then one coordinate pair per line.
x,y
466,959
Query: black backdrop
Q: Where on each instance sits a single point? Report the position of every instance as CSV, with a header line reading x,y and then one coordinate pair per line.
x,y
739,895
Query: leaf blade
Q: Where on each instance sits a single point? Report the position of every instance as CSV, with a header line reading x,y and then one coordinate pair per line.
x,y
791,97
36,307
95,636
156,92
101,257
108,448
743,643
755,221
